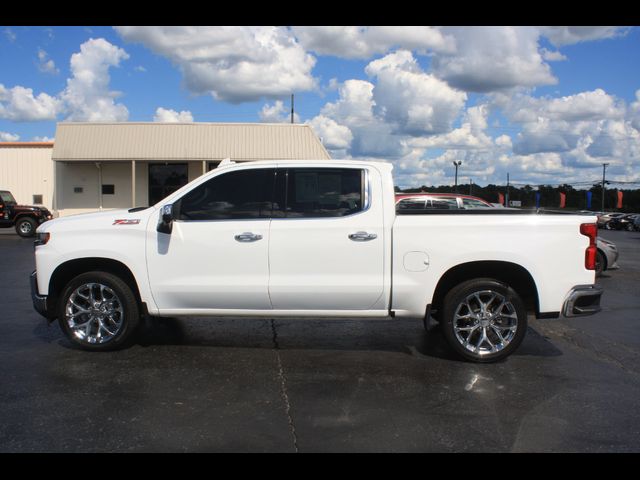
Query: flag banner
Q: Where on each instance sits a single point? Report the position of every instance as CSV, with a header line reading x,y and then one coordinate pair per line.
x,y
500,199
537,199
619,205
589,195
563,199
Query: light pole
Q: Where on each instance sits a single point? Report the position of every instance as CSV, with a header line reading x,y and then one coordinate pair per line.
x,y
604,169
457,164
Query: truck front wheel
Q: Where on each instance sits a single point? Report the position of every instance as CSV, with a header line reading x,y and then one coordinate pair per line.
x,y
26,227
98,311
483,320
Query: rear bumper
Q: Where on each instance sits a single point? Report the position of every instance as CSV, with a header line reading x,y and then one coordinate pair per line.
x,y
39,301
582,300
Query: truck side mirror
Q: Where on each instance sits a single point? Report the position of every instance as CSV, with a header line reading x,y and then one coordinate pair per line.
x,y
165,225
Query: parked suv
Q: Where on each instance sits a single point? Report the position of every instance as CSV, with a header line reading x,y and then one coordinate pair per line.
x,y
25,218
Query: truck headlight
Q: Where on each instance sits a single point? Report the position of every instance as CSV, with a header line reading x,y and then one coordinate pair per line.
x,y
42,239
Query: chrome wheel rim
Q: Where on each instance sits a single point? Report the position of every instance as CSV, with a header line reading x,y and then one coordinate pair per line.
x,y
25,227
485,322
94,313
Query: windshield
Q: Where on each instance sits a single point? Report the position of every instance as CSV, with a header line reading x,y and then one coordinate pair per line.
x,y
6,197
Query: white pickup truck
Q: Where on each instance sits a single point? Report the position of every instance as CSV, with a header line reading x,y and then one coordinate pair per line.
x,y
313,239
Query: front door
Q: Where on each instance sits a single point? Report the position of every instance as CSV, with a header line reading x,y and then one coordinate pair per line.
x,y
166,178
216,257
327,250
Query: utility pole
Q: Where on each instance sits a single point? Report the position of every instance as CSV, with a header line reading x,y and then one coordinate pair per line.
x,y
457,164
470,186
604,169
507,197
292,108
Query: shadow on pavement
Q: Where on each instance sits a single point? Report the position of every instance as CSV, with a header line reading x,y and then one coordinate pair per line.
x,y
400,336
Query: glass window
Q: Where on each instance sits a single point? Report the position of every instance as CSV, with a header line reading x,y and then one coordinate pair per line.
x,y
7,197
37,199
443,203
164,179
108,189
242,194
324,192
411,204
473,203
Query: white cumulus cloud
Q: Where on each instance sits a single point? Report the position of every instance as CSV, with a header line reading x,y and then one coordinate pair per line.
x,y
171,116
9,137
277,113
19,104
87,96
371,135
45,64
233,64
569,35
493,58
415,102
333,135
363,42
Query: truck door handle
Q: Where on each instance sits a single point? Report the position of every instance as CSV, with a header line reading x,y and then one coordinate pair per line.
x,y
248,237
362,236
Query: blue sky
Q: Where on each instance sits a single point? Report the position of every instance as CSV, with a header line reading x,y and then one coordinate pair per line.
x,y
546,104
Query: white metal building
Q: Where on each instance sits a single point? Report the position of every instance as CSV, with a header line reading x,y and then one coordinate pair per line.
x,y
27,171
120,165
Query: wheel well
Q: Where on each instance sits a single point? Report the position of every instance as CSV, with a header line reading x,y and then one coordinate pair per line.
x,y
22,215
68,270
604,259
516,276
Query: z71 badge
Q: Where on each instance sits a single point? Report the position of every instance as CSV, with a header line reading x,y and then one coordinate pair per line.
x,y
135,221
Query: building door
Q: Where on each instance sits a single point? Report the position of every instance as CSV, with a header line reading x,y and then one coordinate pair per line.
x,y
166,178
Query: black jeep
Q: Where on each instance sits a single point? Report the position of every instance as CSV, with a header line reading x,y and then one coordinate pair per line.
x,y
25,218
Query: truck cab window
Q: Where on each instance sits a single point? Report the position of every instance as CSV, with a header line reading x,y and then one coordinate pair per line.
x,y
243,194
324,192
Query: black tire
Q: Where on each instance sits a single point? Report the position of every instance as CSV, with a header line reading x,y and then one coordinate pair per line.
x,y
26,227
601,263
122,334
512,325
630,227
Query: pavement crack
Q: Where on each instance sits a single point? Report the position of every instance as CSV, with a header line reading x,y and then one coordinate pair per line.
x,y
283,385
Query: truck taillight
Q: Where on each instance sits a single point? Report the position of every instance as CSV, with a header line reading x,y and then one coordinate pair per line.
x,y
590,230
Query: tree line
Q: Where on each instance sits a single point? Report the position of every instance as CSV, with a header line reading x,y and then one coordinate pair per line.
x,y
575,199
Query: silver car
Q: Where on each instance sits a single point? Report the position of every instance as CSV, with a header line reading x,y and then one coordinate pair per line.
x,y
607,256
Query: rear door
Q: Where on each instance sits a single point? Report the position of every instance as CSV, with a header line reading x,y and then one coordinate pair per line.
x,y
326,247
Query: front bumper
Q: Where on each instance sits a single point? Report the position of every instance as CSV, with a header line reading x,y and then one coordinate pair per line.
x,y
39,301
582,300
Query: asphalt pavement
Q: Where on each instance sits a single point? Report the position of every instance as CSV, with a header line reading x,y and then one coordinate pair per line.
x,y
262,385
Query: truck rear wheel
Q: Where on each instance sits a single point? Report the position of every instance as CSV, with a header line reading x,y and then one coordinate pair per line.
x,y
26,227
98,311
483,320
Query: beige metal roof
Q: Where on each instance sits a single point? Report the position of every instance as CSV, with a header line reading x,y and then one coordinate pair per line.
x,y
26,144
186,141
